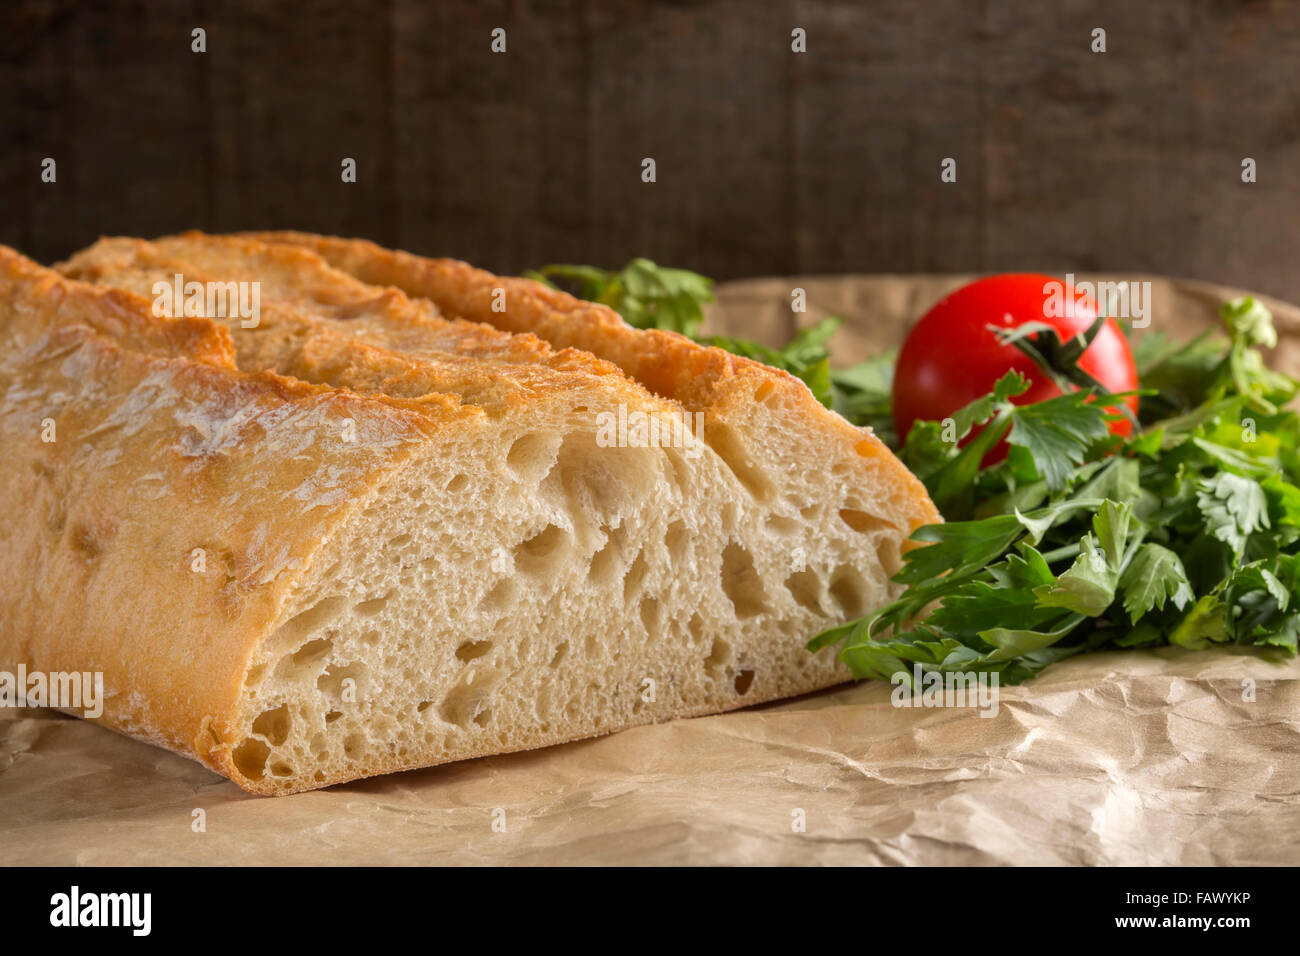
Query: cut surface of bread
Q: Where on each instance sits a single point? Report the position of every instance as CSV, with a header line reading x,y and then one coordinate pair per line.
x,y
373,533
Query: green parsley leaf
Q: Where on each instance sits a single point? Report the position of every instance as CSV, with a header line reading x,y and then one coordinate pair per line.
x,y
1283,501
1154,576
1088,586
1058,433
1205,624
645,294
1234,508
1249,321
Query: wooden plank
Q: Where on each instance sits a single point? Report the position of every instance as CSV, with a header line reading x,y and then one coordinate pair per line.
x,y
885,93
109,92
1130,160
492,152
1243,81
1090,153
702,89
294,90
767,161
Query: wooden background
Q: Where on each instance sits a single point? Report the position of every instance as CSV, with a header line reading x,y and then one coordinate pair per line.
x,y
769,162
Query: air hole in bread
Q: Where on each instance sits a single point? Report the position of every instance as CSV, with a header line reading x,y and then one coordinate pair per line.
x,y
741,582
651,612
532,455
719,656
806,588
473,649
500,597
457,484
332,716
353,746
695,627
779,524
468,701
601,484
743,682
295,630
311,652
544,553
863,521
254,675
634,578
849,589
544,703
250,758
764,390
560,653
724,440
372,607
605,562
274,725
424,705
281,768
400,541
677,539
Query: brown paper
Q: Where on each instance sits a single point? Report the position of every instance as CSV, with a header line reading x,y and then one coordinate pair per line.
x,y
1164,757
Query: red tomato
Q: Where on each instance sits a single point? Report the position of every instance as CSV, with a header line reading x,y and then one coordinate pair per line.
x,y
951,358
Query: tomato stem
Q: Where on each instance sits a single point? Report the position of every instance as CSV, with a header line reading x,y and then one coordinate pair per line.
x,y
1059,360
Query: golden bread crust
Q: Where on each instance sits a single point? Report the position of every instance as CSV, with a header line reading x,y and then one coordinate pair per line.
x,y
700,378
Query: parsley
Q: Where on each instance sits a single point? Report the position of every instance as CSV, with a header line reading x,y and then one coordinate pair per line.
x,y
1186,532
646,295
1154,576
1234,508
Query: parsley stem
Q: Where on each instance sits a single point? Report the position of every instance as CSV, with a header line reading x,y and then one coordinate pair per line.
x,y
1061,553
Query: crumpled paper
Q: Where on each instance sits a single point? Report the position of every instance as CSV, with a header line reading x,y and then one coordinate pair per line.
x,y
1165,757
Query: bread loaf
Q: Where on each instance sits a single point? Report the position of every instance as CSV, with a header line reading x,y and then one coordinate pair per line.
x,y
372,533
